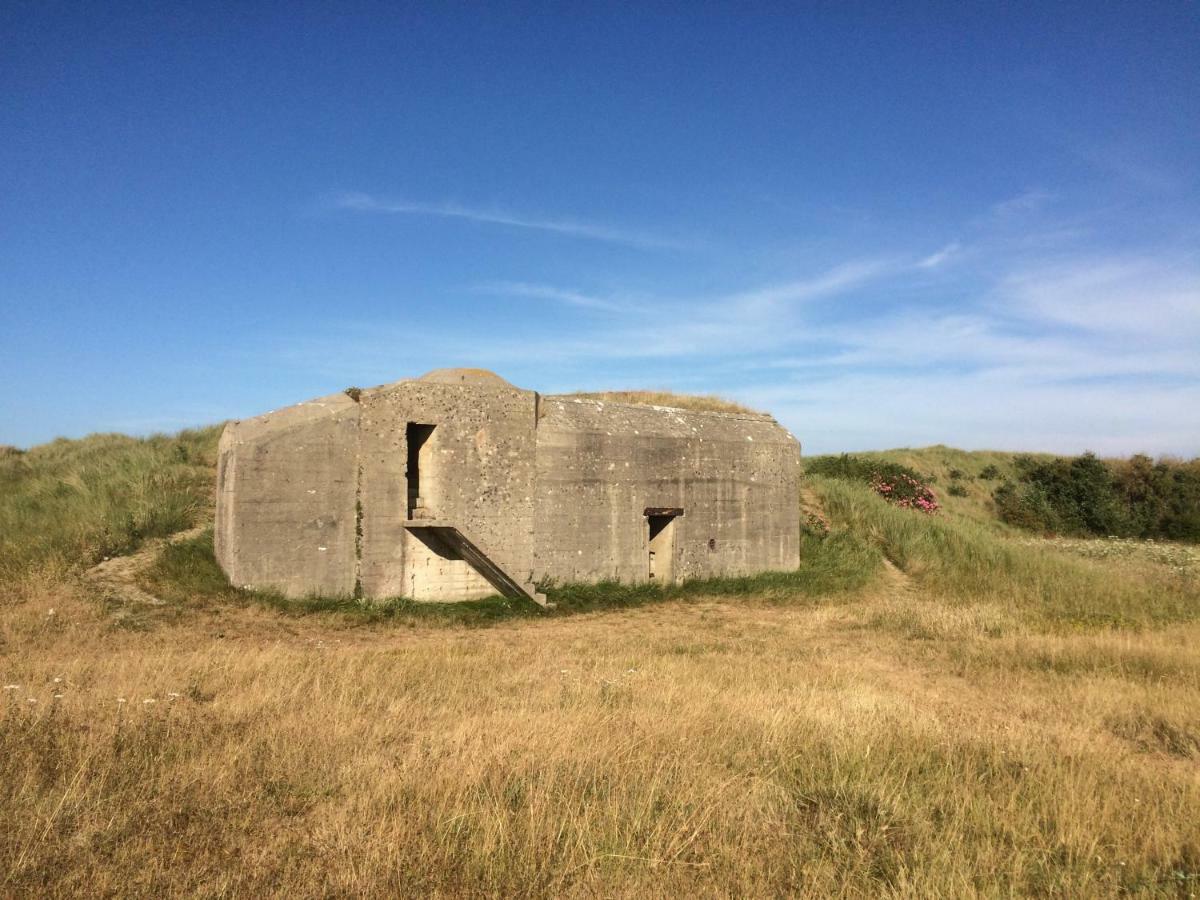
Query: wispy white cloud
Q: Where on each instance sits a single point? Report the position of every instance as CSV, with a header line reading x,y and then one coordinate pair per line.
x,y
750,321
1131,297
1029,201
993,341
836,280
941,256
359,202
546,292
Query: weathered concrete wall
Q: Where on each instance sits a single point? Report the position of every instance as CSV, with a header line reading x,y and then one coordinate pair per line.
x,y
477,473
285,499
314,498
601,464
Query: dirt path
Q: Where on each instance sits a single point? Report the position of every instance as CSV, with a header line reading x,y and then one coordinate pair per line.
x,y
117,577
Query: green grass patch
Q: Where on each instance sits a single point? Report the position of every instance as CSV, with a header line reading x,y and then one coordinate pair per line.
x,y
838,564
186,574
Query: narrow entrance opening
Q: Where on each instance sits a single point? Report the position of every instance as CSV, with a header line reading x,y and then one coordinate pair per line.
x,y
661,546
417,437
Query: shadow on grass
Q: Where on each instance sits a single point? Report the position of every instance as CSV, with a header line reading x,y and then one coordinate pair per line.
x,y
186,575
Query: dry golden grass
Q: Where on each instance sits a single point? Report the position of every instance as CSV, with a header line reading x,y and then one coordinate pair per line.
x,y
698,402
716,748
980,717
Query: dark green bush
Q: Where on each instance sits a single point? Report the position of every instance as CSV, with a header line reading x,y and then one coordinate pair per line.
x,y
1087,496
990,472
1161,499
956,490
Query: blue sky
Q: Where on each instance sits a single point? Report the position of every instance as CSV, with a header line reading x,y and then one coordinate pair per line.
x,y
961,223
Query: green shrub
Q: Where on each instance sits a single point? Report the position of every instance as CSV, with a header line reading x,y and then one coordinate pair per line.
x,y
990,472
1161,499
956,490
1087,496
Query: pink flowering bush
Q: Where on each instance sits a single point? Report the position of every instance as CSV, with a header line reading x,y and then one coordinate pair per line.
x,y
895,483
905,491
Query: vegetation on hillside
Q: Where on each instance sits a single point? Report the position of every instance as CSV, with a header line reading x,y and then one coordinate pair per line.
x,y
1088,496
1074,496
71,503
1021,585
894,482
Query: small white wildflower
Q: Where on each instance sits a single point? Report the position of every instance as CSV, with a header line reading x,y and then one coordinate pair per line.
x,y
50,612
120,699
11,687
174,695
58,696
58,681
33,699
149,701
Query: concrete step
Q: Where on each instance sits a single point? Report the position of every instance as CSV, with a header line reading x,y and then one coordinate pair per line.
x,y
537,597
492,572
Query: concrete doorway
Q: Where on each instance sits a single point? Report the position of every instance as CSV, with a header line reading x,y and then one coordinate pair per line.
x,y
419,473
661,544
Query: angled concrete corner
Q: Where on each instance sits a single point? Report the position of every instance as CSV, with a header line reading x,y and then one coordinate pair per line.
x,y
286,505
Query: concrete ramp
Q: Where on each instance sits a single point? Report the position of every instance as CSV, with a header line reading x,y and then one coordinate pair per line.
x,y
492,572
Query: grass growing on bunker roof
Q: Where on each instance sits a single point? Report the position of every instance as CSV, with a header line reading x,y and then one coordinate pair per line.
x,y
695,402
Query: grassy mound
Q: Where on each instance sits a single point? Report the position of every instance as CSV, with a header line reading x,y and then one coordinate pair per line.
x,y
1030,584
71,503
963,480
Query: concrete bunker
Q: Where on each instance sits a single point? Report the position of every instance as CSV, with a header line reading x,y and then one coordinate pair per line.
x,y
458,485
